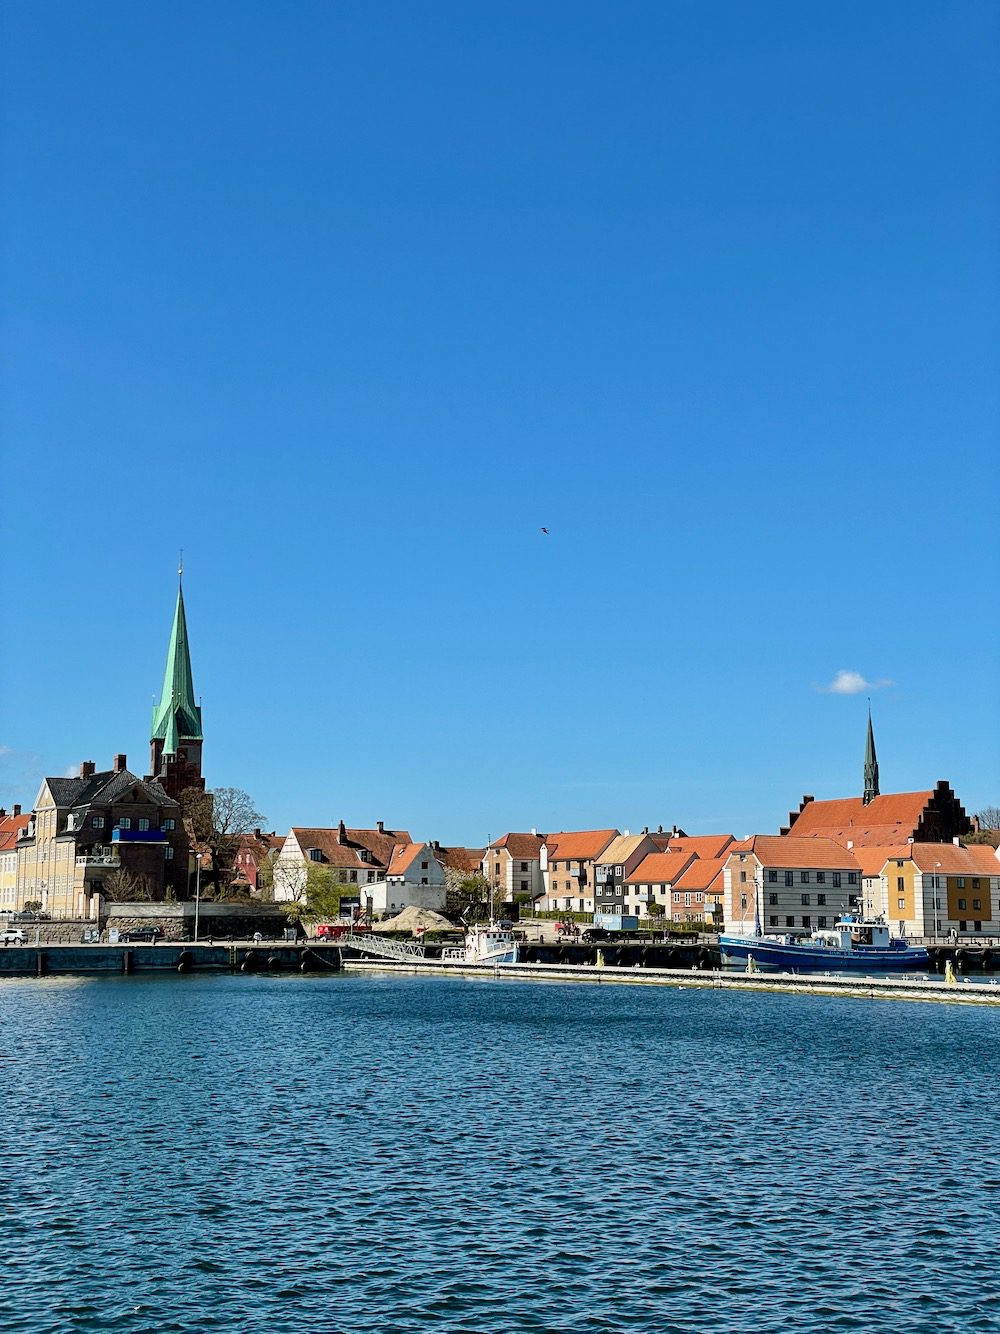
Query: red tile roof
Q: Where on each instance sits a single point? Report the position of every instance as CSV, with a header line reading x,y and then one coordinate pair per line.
x,y
872,858
403,856
10,829
660,868
792,853
348,852
469,860
525,846
580,845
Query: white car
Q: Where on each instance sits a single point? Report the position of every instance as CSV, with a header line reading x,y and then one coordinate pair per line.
x,y
12,935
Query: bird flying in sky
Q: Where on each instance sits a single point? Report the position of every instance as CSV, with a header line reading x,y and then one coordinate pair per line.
x,y
543,530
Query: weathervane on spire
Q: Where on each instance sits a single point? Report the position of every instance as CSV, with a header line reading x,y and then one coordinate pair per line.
x,y
180,566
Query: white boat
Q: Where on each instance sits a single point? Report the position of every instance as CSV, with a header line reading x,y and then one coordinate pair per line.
x,y
484,944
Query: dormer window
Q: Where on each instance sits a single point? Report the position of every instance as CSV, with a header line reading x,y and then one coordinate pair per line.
x,y
315,855
124,822
97,822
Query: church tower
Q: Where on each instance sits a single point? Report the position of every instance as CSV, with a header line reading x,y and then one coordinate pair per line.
x,y
871,764
176,736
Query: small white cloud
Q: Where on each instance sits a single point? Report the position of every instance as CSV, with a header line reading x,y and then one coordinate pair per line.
x,y
853,683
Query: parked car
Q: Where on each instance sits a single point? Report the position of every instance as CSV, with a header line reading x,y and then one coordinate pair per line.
x,y
12,936
144,935
595,933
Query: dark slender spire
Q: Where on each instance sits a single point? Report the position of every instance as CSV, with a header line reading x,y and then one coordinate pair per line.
x,y
871,762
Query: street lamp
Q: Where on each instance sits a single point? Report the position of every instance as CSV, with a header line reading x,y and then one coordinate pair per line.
x,y
937,902
197,894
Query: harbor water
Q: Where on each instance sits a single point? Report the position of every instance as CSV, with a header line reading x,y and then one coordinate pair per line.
x,y
402,1153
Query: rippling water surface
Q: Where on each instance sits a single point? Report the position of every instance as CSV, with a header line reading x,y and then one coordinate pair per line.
x,y
398,1153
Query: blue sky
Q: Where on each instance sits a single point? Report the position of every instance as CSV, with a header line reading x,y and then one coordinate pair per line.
x,y
350,300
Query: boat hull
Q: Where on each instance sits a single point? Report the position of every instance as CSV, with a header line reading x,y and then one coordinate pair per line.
x,y
772,956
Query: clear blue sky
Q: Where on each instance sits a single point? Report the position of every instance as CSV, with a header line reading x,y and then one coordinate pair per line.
x,y
350,299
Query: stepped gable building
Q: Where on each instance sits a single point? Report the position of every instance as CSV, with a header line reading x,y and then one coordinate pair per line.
x,y
176,736
86,832
874,820
356,856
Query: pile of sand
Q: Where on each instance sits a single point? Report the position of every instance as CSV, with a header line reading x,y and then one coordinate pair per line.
x,y
412,918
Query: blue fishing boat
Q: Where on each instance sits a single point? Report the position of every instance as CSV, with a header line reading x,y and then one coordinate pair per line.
x,y
853,944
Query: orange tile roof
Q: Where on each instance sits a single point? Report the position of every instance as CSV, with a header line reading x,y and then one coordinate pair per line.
x,y
660,868
10,829
790,852
702,874
889,819
403,856
524,846
702,845
952,859
580,845
872,859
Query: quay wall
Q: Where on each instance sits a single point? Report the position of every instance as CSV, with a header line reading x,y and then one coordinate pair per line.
x,y
61,960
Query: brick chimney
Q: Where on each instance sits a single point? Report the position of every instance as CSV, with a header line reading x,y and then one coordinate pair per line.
x,y
341,832
87,769
17,810
380,826
119,763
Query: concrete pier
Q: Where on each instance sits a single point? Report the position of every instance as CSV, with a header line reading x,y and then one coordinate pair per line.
x,y
816,984
246,956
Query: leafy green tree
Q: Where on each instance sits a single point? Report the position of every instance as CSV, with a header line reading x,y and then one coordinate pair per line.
x,y
321,898
468,897
217,820
656,910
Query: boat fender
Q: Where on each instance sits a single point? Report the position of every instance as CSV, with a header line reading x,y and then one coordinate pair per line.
x,y
273,961
184,961
249,964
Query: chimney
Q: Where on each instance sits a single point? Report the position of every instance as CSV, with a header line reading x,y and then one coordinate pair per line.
x,y
17,810
957,841
645,828
341,833
87,769
379,825
256,833
437,846
3,812
119,763
534,833
850,844
659,829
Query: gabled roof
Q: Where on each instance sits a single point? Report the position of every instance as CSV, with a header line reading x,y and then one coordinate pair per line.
x,y
621,848
346,851
403,857
873,858
889,819
702,874
580,845
104,789
789,852
660,868
702,845
524,846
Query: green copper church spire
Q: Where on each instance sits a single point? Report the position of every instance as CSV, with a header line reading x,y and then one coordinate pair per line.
x,y
177,717
871,763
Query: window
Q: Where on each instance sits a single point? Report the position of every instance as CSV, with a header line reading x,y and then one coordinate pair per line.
x,y
424,866
821,899
743,877
806,920
900,884
315,855
901,905
524,866
677,897
423,880
524,886
354,877
821,877
961,905
743,900
836,879
772,921
789,877
97,821
805,900
821,921
687,900
125,822
371,877
961,882
168,825
803,877
789,921
144,824
772,900
772,877
975,882
977,904
852,877
168,853
977,926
